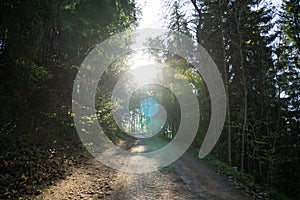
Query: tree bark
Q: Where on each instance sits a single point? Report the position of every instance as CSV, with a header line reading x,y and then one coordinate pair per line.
x,y
245,91
225,77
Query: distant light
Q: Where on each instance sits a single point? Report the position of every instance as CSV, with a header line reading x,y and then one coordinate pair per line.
x,y
283,95
143,68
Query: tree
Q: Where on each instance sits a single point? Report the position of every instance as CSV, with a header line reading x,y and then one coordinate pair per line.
x,y
178,21
210,33
37,36
286,81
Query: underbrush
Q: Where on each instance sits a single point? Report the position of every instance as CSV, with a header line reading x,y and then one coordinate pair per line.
x,y
243,181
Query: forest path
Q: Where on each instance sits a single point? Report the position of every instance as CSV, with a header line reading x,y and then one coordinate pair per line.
x,y
187,178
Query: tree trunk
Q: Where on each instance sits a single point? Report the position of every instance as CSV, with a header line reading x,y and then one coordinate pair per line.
x,y
225,77
245,91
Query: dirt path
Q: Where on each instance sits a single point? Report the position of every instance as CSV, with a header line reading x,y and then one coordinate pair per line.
x,y
204,182
155,185
187,178
91,180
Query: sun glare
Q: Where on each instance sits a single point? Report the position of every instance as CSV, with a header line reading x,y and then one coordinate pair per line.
x,y
143,68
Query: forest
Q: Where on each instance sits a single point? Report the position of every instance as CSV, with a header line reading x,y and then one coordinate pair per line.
x,y
254,44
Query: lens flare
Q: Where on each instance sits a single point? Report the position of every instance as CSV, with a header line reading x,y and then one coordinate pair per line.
x,y
149,107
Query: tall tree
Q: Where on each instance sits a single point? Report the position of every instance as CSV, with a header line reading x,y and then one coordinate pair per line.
x,y
211,33
287,84
257,52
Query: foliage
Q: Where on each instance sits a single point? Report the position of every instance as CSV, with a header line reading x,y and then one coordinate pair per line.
x,y
245,181
41,43
256,48
37,35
